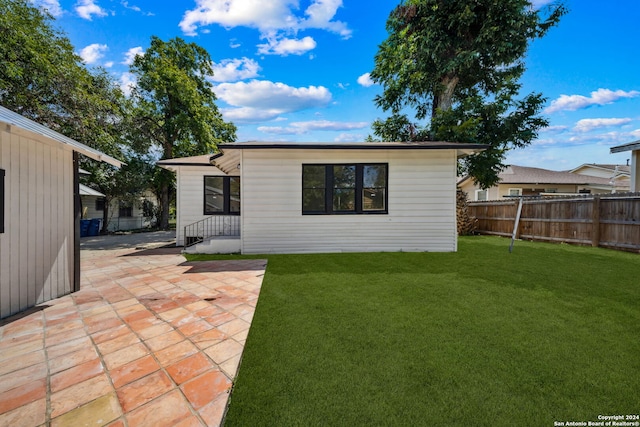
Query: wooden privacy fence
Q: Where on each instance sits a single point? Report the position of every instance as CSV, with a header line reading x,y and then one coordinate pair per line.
x,y
611,220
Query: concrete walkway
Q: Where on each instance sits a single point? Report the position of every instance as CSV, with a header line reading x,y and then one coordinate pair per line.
x,y
149,340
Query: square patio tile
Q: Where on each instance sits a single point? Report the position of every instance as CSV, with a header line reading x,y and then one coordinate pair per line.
x,y
167,410
206,388
144,390
189,368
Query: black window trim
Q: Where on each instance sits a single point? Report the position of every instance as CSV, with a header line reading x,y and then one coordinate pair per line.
x,y
226,193
329,187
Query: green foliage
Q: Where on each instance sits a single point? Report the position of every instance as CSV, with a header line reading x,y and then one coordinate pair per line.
x,y
175,108
174,100
457,65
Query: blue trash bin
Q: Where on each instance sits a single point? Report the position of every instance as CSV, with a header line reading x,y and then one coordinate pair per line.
x,y
94,227
84,227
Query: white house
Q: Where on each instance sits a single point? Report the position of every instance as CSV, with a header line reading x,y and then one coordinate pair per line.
x,y
319,197
529,181
39,212
634,147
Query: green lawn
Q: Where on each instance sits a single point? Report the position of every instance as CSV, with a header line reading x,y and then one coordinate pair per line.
x,y
479,337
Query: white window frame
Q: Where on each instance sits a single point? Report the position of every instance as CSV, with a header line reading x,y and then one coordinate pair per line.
x,y
517,190
486,194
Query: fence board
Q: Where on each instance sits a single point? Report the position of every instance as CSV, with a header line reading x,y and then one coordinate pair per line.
x,y
611,221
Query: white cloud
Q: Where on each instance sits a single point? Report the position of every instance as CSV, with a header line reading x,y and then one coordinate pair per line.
x,y
577,102
320,14
268,16
130,55
365,80
127,83
92,53
350,137
587,125
298,128
126,5
265,15
285,47
108,64
261,99
51,6
231,70
87,8
554,129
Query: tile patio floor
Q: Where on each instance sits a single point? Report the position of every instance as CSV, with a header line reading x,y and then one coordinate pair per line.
x,y
149,340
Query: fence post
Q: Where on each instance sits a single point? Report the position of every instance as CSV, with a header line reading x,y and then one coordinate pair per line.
x,y
595,222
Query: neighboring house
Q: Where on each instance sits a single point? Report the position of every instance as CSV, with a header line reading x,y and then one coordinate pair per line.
x,y
39,212
123,215
528,181
634,173
320,197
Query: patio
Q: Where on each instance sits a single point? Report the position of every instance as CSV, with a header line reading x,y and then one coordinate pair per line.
x,y
149,340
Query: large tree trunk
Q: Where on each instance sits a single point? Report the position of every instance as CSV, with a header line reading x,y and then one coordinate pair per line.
x,y
164,207
444,99
105,216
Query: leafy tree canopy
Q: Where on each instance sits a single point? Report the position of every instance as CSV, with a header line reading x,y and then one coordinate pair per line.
x,y
175,108
456,65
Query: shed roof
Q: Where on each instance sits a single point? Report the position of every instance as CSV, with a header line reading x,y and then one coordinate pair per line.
x,y
12,119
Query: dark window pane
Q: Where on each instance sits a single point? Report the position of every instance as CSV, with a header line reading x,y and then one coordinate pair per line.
x,y
373,199
374,176
344,200
344,176
313,200
214,194
100,204
313,176
234,194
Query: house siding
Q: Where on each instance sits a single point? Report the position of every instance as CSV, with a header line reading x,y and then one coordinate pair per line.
x,y
190,197
36,248
421,203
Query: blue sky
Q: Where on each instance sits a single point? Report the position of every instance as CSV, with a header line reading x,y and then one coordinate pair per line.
x,y
296,70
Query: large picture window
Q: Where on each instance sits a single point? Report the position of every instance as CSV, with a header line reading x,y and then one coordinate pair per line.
x,y
222,195
344,188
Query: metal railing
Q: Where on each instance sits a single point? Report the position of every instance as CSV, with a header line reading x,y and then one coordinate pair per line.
x,y
211,227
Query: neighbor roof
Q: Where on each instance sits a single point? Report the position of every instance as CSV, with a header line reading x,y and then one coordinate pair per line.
x,y
623,169
14,119
527,175
88,191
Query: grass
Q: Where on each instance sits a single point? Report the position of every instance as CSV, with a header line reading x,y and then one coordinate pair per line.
x,y
479,337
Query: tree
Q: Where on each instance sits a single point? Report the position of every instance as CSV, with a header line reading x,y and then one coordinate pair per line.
x,y
175,106
457,65
42,78
39,72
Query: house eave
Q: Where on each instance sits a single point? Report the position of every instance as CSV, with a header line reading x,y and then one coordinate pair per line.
x,y
632,146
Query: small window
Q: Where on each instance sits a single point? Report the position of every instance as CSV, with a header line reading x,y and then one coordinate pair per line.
x,y
513,192
344,189
222,195
2,200
481,195
125,210
100,204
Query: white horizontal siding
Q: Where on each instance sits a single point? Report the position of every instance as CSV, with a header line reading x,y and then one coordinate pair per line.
x,y
190,197
421,211
36,249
